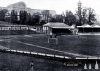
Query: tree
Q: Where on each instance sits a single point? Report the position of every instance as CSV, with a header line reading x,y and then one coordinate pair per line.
x,y
42,22
84,16
23,15
14,18
57,18
91,16
2,14
46,14
87,16
28,19
36,19
70,18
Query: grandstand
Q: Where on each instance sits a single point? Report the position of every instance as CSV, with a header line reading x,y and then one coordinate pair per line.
x,y
89,28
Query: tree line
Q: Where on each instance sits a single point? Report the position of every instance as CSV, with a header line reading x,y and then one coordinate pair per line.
x,y
25,18
87,17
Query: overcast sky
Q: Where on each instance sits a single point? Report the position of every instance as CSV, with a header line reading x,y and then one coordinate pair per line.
x,y
58,5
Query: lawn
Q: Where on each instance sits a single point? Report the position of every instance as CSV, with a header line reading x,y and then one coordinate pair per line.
x,y
13,62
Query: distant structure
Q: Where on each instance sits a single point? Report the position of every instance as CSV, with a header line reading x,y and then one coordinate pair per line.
x,y
79,10
16,6
22,6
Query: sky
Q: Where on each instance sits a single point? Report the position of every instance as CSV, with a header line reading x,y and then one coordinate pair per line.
x,y
58,5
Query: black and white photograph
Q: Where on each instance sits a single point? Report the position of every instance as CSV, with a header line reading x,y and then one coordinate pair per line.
x,y
49,35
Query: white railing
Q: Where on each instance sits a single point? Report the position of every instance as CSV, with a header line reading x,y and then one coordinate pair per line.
x,y
48,55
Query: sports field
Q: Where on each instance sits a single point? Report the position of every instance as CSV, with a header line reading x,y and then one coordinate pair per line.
x,y
84,44
39,43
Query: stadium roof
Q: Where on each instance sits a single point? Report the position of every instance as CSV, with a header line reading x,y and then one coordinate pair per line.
x,y
85,25
57,25
96,25
91,26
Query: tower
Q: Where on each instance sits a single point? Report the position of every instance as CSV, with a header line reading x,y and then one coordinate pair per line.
x,y
79,10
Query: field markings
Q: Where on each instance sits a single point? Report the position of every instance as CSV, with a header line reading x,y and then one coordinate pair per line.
x,y
28,36
2,47
72,54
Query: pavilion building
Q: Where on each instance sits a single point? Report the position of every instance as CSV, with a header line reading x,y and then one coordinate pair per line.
x,y
57,28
